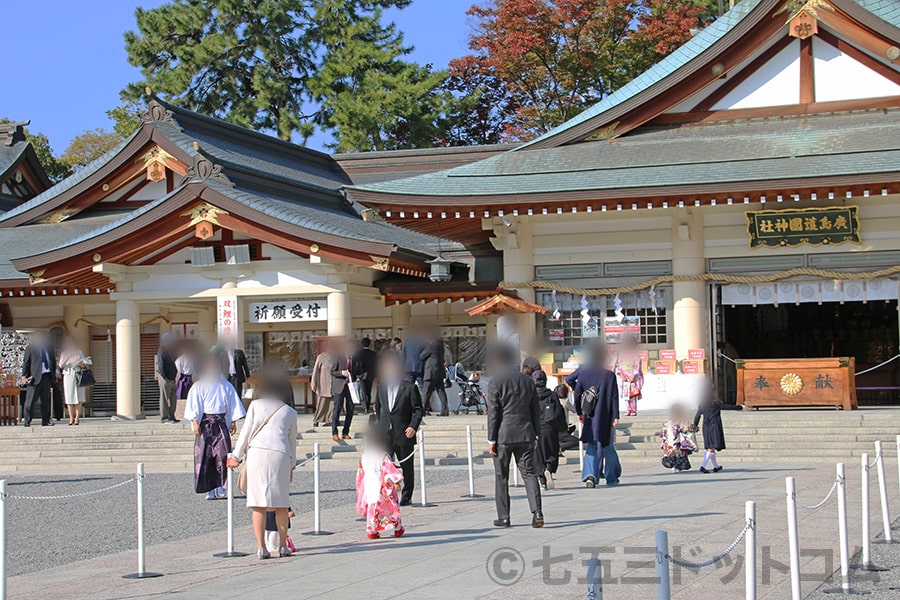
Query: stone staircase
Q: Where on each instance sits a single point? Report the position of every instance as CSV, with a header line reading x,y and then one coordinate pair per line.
x,y
773,435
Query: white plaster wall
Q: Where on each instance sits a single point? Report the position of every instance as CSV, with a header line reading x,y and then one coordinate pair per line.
x,y
839,77
776,83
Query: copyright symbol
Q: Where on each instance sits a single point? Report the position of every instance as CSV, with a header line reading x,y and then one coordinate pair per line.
x,y
505,566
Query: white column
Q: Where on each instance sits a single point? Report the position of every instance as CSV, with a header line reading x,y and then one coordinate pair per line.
x,y
206,327
400,315
689,316
339,317
518,265
128,358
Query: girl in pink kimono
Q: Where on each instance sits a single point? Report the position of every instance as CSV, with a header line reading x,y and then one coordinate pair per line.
x,y
378,483
629,375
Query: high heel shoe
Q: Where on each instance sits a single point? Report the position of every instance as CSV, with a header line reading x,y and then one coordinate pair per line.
x,y
263,554
284,551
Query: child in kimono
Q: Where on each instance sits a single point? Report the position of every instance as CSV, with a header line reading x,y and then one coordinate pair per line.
x,y
676,442
378,483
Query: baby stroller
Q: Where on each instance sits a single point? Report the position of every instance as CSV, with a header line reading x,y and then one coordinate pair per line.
x,y
471,396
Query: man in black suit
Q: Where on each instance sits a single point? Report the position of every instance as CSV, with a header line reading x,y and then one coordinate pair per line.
x,y
399,409
235,366
365,365
166,374
341,377
513,414
435,373
38,374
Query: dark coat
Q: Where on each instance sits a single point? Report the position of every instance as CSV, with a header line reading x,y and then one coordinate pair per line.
x,y
241,366
407,411
433,355
338,380
713,433
165,365
598,427
553,415
365,365
513,412
32,368
412,356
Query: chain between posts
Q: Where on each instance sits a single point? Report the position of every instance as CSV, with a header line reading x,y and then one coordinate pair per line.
x,y
750,524
834,487
73,495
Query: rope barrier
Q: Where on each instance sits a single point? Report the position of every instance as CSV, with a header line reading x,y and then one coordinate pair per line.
x,y
834,487
715,277
413,453
878,366
74,495
689,565
308,460
874,462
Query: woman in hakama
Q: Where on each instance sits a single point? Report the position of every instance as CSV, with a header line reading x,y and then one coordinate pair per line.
x,y
212,408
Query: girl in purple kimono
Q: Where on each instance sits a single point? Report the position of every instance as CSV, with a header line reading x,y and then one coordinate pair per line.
x,y
378,483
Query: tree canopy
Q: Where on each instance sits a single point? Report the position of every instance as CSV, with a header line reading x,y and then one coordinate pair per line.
x,y
557,57
87,146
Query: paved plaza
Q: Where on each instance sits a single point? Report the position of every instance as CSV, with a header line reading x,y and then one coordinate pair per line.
x,y
451,550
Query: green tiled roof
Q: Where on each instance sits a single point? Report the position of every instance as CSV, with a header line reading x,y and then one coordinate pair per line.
x,y
886,10
725,152
34,239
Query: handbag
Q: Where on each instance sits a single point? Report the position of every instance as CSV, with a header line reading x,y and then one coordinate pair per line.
x,y
84,378
242,474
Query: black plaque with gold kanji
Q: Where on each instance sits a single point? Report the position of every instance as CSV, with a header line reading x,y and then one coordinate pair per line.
x,y
810,226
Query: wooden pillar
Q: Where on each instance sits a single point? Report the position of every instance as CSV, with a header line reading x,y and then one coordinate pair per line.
x,y
400,316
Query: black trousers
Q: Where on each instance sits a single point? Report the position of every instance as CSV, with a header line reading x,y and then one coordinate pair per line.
x,y
524,457
400,452
342,400
58,400
548,451
238,385
432,386
41,393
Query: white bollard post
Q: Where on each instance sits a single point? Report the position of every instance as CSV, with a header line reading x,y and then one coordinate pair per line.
x,y
317,511
866,534
793,537
317,494
842,529
229,518
422,466
142,562
580,450
898,458
2,539
750,551
662,566
471,455
882,489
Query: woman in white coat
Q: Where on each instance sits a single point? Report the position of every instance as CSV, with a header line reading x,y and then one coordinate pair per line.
x,y
71,361
268,448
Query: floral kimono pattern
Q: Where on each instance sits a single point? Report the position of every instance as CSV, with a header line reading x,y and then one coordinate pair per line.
x,y
676,444
630,377
376,498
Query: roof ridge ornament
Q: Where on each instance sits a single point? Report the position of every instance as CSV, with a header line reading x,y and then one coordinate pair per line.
x,y
203,170
794,7
157,113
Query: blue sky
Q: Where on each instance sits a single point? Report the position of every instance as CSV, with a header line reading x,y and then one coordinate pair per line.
x,y
68,58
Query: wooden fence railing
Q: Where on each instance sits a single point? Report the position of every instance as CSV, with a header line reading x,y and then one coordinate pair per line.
x,y
9,406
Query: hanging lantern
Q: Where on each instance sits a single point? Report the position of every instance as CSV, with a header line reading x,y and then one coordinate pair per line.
x,y
440,269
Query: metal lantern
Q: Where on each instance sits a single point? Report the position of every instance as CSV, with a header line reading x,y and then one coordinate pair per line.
x,y
440,269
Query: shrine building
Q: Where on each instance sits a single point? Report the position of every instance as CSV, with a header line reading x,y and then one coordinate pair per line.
x,y
742,196
203,229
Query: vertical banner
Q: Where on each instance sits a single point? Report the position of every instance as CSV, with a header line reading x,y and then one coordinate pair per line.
x,y
226,316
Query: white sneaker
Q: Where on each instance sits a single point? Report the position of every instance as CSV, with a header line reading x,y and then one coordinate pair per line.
x,y
550,483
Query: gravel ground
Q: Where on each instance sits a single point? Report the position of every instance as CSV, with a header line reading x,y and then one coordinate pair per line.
x,y
50,533
876,585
